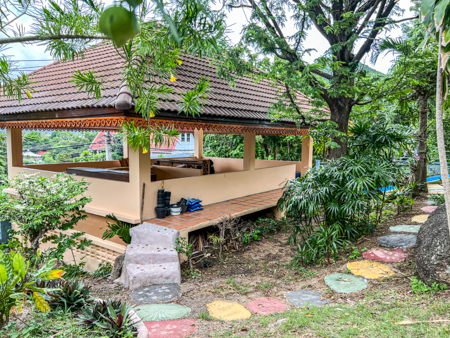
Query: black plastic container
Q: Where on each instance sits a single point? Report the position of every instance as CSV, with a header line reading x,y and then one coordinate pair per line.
x,y
161,192
161,212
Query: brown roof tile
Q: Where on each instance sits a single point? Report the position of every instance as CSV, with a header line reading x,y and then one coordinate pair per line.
x,y
248,99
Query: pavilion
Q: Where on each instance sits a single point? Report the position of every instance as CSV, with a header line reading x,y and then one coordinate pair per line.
x,y
130,193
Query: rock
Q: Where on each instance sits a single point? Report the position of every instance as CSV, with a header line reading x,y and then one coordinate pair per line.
x,y
429,209
397,241
344,283
117,269
414,228
433,248
383,255
370,269
266,306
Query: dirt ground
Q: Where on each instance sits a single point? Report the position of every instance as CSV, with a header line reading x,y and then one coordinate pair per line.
x,y
261,270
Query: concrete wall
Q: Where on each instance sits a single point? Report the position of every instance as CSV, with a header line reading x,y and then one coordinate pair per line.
x,y
169,173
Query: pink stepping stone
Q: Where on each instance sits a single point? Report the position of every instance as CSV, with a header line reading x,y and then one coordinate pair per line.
x,y
266,306
383,255
429,209
171,328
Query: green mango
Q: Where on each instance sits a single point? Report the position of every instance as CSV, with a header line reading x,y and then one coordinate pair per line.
x,y
134,3
119,24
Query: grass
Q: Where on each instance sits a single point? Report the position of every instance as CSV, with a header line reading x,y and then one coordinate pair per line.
x,y
372,317
205,316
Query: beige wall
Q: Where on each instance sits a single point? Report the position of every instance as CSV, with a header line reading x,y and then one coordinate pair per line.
x,y
227,165
169,173
61,167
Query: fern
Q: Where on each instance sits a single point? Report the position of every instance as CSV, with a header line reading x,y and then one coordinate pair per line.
x,y
121,229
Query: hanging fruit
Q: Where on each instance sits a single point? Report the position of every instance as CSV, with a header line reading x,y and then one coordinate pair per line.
x,y
119,24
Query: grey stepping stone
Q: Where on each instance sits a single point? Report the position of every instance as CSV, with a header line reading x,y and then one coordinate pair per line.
x,y
397,241
306,297
345,283
156,293
406,228
429,202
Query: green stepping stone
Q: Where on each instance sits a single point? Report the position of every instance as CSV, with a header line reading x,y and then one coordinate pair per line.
x,y
344,283
406,228
155,312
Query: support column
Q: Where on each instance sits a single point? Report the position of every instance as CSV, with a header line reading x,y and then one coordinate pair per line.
x,y
139,175
198,143
14,149
125,145
307,154
249,151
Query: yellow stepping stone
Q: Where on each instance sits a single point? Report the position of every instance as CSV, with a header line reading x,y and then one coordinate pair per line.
x,y
435,192
420,218
227,310
370,269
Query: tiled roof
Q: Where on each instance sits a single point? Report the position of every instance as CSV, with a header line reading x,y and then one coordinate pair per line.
x,y
247,100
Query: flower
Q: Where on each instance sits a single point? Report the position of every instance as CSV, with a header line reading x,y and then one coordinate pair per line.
x,y
179,62
145,151
417,157
172,78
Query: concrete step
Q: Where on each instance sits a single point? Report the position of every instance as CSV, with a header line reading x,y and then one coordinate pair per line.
x,y
153,234
150,254
140,275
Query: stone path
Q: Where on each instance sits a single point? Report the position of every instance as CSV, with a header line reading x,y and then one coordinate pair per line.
x,y
429,209
370,269
420,218
345,283
171,328
156,293
157,312
266,306
306,297
227,310
382,255
413,228
397,241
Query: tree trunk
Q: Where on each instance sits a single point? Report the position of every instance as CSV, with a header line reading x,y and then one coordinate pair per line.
x,y
440,128
340,109
420,175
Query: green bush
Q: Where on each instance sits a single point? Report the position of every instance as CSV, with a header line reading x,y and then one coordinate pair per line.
x,y
112,316
121,229
437,199
69,296
18,284
418,286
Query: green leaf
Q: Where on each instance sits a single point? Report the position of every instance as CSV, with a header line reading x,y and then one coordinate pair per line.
x,y
439,13
426,6
19,295
18,262
3,274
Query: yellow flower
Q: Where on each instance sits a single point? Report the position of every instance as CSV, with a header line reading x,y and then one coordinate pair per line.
x,y
172,78
28,94
145,151
152,114
179,62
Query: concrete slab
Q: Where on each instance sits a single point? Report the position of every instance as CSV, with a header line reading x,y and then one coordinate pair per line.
x,y
429,202
171,328
306,297
382,255
420,218
227,311
370,269
153,234
413,228
345,283
156,293
150,254
429,209
397,241
158,312
141,275
266,306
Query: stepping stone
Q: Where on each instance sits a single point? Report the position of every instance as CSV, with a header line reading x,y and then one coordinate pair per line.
x,y
436,192
345,283
382,255
227,311
370,269
157,312
420,218
429,202
171,328
397,241
266,306
306,297
156,293
413,228
429,209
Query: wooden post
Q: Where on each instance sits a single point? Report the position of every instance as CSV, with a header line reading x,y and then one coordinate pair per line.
x,y
249,151
307,154
14,149
198,143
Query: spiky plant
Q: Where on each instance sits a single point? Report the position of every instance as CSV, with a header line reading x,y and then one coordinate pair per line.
x,y
69,296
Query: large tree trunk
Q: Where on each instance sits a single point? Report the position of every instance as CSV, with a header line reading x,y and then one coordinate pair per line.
x,y
440,128
420,175
340,109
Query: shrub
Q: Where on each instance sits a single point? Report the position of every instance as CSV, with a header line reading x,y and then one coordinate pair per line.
x,y
418,286
103,270
437,199
121,229
69,296
43,204
112,316
18,284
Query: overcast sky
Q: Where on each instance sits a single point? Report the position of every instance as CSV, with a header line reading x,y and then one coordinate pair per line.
x,y
35,55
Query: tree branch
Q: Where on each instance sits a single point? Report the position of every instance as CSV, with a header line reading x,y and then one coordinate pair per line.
x,y
23,39
406,19
240,6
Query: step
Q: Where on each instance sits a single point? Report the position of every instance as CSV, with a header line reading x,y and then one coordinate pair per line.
x,y
141,275
152,234
150,254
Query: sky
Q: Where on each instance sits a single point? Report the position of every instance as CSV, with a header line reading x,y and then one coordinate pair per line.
x,y
34,56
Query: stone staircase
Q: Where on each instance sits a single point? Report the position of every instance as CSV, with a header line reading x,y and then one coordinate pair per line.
x,y
151,257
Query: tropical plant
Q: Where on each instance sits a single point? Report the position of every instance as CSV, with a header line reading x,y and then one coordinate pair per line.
x,y
437,199
3,161
121,229
103,270
44,204
18,284
185,248
68,295
112,316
